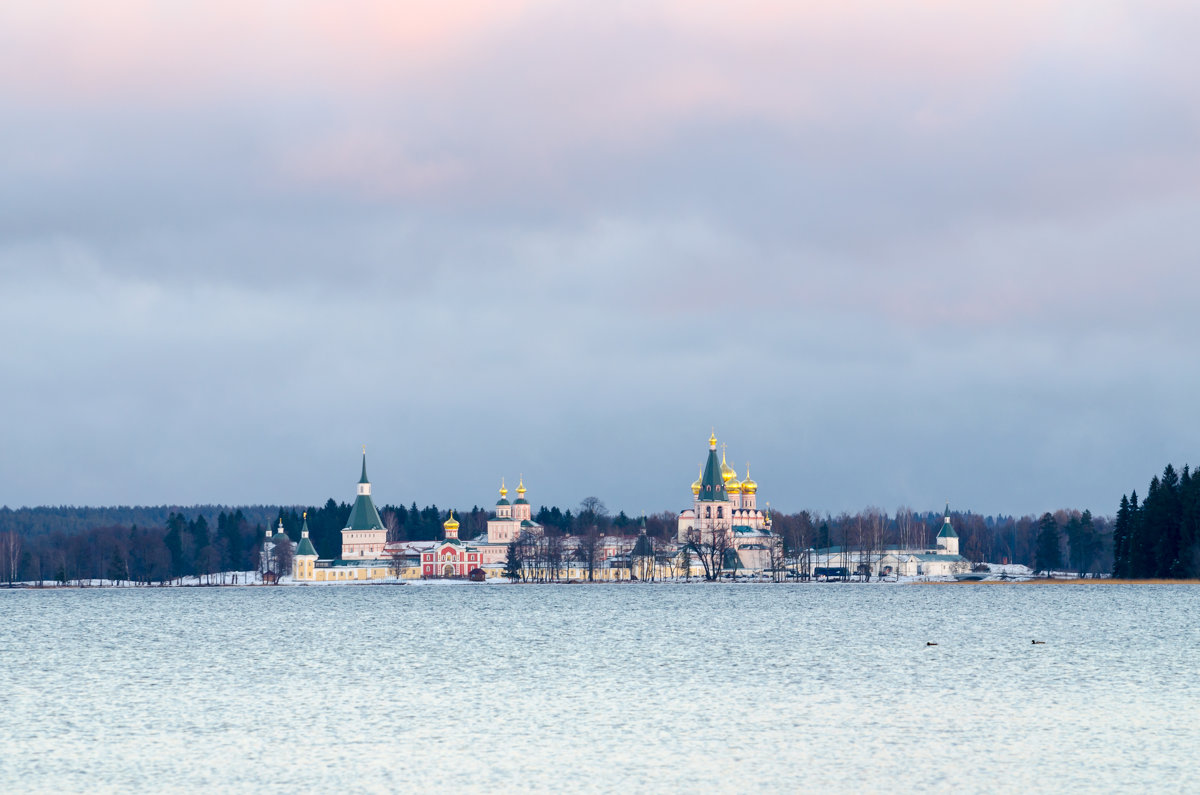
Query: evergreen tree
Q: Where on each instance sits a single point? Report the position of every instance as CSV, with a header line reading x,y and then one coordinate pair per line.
x,y
1167,519
199,531
1049,554
1189,524
176,525
1136,518
512,565
1075,544
1091,541
1121,529
1145,525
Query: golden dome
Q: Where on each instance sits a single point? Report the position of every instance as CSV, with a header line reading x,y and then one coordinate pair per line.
x,y
521,487
727,472
748,485
712,441
503,490
696,486
451,523
733,486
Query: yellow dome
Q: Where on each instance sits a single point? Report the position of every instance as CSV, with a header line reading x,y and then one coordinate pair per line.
x,y
727,472
451,523
748,485
712,441
696,486
521,488
733,486
503,490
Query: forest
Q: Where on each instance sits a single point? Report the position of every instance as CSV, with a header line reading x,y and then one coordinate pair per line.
x,y
1160,537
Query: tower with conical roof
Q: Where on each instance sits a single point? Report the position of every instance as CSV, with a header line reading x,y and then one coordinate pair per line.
x,y
711,503
641,557
724,506
947,539
305,559
364,535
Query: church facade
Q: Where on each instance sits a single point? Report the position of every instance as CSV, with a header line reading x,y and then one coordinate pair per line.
x,y
725,511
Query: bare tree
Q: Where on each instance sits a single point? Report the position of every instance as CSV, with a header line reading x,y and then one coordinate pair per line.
x,y
711,555
684,559
282,555
392,525
397,558
775,558
10,555
904,527
554,556
876,523
588,550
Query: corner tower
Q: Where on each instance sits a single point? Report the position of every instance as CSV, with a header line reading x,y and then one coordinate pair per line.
x,y
363,536
947,539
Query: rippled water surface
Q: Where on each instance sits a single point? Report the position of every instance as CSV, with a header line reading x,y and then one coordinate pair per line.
x,y
606,687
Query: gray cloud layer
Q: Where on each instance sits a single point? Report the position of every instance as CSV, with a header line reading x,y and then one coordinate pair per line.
x,y
891,260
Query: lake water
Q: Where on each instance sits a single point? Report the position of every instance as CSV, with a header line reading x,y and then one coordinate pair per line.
x,y
601,688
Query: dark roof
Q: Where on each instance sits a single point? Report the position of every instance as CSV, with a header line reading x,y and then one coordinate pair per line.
x,y
363,515
947,530
712,487
306,547
643,548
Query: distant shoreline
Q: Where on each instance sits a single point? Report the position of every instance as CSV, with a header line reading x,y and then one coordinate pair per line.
x,y
1050,581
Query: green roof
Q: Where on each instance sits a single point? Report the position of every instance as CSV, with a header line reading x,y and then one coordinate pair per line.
x,y
363,479
363,515
947,531
502,501
306,547
520,501
712,486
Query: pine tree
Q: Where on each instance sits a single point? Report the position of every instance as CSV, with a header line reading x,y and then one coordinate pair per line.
x,y
1166,538
1120,568
176,525
1189,524
1049,555
512,565
1145,533
1091,541
1076,544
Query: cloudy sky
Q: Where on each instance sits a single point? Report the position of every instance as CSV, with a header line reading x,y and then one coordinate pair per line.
x,y
894,252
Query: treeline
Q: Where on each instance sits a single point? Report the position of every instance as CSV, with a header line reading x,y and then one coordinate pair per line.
x,y
72,519
135,553
1064,537
1160,537
59,544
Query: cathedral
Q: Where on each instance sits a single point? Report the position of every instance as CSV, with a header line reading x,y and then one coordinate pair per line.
x,y
722,504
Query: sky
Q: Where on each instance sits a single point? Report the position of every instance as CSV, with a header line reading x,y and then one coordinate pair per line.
x,y
893,253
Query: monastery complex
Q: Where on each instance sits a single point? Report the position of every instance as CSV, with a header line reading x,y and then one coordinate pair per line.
x,y
723,533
